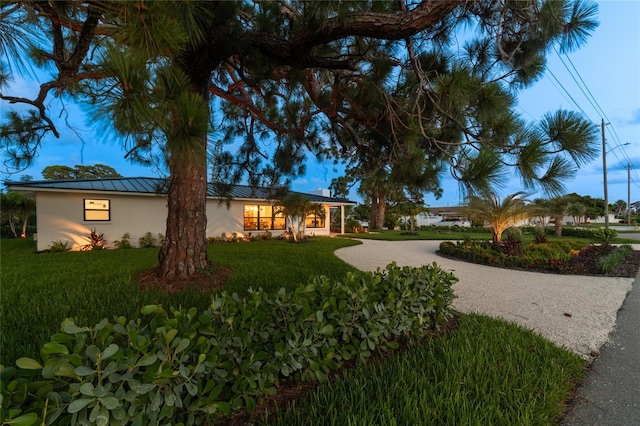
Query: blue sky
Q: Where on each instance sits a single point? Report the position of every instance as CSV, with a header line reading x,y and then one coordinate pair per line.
x,y
605,84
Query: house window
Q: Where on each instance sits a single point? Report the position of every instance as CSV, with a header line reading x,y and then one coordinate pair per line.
x,y
97,210
315,221
263,218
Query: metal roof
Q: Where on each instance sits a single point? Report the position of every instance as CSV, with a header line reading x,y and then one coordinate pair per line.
x,y
146,185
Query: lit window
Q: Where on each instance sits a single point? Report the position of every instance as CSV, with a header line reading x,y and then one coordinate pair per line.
x,y
97,210
263,218
315,220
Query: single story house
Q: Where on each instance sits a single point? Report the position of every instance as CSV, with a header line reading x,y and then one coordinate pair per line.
x,y
68,210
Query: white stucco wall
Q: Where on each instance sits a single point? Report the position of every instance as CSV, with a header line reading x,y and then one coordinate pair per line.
x,y
60,217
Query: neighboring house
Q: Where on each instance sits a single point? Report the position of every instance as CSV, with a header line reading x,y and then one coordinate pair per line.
x,y
68,210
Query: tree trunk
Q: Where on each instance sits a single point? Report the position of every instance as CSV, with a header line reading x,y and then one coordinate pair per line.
x,y
558,225
378,210
23,234
12,226
184,252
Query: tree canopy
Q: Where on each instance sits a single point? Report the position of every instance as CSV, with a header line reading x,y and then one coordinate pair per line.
x,y
79,172
338,79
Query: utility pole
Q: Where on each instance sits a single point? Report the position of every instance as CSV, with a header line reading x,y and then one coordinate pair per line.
x,y
628,194
604,174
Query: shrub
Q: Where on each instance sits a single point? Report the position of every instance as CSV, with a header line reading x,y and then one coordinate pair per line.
x,y
605,235
148,240
588,232
512,243
354,226
266,235
188,367
539,236
96,241
125,242
59,246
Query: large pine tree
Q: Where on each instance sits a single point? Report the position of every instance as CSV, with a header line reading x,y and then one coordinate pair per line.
x,y
303,76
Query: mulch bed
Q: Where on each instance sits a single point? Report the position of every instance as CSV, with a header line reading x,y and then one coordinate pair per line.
x,y
585,263
203,282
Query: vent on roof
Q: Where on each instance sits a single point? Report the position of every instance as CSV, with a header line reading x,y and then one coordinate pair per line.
x,y
321,192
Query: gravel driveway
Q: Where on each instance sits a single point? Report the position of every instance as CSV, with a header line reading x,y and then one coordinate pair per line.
x,y
576,312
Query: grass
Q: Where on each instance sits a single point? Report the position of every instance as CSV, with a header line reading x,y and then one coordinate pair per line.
x,y
396,235
41,290
277,263
484,372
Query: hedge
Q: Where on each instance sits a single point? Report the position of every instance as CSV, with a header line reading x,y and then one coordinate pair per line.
x,y
185,367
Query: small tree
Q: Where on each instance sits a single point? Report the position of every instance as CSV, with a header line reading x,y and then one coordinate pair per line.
x,y
409,210
578,211
297,207
498,215
556,207
16,209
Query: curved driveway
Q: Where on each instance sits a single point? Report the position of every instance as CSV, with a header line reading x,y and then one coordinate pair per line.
x,y
576,312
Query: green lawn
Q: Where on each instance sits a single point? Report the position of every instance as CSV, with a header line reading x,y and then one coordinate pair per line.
x,y
434,234
484,372
397,235
40,290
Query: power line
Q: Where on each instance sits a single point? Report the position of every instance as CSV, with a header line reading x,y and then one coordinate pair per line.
x,y
584,88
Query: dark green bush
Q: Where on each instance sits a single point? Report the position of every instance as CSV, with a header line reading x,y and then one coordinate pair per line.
x,y
573,231
125,242
465,229
148,240
606,236
589,232
185,367
353,226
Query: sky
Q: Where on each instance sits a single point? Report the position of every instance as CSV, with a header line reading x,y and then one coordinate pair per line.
x,y
601,80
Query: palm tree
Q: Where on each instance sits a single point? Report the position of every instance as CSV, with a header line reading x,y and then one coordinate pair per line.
x,y
498,215
578,211
620,206
556,207
540,208
297,207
